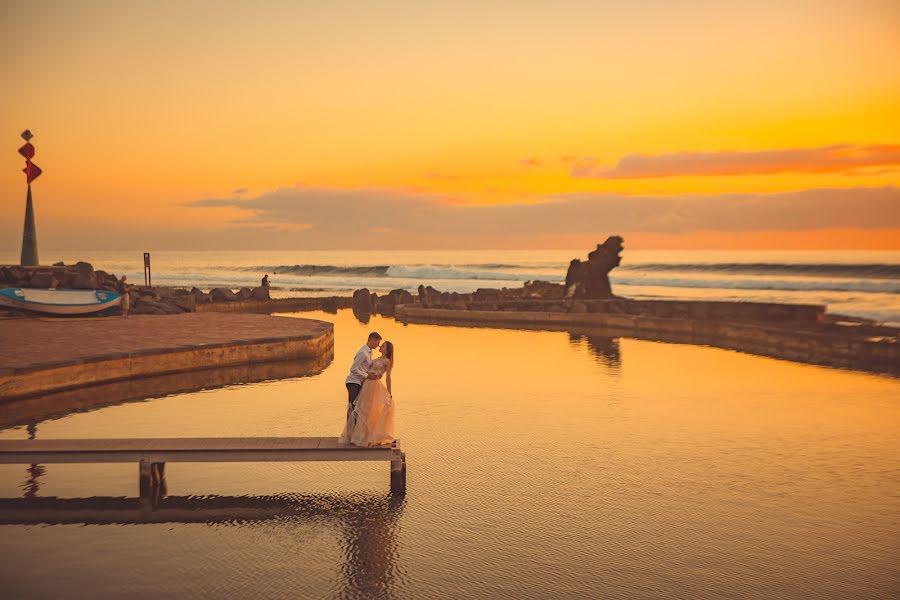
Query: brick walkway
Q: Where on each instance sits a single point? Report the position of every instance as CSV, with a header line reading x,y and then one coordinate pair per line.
x,y
26,342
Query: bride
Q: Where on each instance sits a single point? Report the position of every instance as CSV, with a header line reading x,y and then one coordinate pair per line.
x,y
371,423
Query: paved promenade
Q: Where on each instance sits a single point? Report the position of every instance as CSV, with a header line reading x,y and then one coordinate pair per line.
x,y
116,348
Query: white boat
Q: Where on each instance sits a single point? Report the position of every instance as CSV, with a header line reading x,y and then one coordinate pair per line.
x,y
59,302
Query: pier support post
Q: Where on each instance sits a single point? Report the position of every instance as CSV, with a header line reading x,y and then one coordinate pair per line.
x,y
398,474
151,483
145,478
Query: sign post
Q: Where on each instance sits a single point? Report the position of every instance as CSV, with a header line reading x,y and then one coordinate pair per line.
x,y
147,279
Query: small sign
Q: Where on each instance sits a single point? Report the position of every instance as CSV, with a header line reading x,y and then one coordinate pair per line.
x,y
148,281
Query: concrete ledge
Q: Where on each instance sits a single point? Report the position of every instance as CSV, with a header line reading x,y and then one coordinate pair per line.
x,y
75,355
823,347
331,303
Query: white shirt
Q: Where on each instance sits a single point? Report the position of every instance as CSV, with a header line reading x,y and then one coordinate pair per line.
x,y
359,370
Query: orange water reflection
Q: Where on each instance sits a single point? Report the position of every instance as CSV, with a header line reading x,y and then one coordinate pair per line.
x,y
541,464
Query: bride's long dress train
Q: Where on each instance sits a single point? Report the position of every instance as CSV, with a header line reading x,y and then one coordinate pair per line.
x,y
371,423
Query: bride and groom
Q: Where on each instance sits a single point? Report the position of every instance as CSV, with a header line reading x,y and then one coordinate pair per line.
x,y
370,410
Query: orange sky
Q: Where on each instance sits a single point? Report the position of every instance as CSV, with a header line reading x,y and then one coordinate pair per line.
x,y
172,125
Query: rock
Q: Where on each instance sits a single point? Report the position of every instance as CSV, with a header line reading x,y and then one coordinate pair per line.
x,y
429,297
386,305
43,280
186,303
17,276
401,297
590,279
362,302
245,293
199,295
145,292
84,280
486,295
84,266
145,308
59,264
106,281
543,290
261,293
329,305
149,306
222,295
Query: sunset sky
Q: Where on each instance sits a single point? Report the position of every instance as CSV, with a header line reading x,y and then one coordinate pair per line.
x,y
432,124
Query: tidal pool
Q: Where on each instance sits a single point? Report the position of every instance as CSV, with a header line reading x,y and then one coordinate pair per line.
x,y
541,464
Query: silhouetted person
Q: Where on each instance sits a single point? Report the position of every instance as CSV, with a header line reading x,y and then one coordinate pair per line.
x,y
123,289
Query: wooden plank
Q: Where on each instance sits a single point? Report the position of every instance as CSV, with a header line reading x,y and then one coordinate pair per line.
x,y
310,443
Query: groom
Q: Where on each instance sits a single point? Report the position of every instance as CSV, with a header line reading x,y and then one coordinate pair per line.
x,y
359,370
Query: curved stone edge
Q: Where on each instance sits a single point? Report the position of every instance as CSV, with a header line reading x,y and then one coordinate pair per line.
x,y
857,353
52,377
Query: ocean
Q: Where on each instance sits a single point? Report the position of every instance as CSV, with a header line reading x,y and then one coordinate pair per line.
x,y
855,283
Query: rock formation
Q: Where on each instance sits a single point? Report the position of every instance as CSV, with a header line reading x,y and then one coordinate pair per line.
x,y
590,279
362,302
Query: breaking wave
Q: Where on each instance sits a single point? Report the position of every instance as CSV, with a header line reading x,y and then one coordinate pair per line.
x,y
837,270
489,272
820,285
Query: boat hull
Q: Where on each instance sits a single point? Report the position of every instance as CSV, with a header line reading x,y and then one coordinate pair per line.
x,y
59,302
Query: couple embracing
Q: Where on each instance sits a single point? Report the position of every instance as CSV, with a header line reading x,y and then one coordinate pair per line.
x,y
370,410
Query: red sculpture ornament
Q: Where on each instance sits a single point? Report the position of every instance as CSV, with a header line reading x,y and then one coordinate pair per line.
x,y
32,171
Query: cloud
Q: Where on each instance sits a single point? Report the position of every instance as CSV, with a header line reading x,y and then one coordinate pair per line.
x,y
240,191
827,159
530,162
343,218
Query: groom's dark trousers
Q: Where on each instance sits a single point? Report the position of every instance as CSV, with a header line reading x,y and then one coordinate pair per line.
x,y
352,392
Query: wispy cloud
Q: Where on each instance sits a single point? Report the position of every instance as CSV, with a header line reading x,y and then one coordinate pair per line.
x,y
354,217
827,159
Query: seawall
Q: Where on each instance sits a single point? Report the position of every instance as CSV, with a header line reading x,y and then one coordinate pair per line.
x,y
850,345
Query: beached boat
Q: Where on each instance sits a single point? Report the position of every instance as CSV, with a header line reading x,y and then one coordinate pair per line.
x,y
59,302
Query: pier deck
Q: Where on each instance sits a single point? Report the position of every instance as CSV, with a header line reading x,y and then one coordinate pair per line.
x,y
152,454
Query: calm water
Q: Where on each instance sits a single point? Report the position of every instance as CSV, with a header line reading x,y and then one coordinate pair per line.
x,y
858,283
541,465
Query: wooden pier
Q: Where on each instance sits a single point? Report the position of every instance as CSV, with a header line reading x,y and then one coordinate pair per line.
x,y
151,455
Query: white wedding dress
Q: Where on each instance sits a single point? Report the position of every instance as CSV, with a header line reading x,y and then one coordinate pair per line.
x,y
371,423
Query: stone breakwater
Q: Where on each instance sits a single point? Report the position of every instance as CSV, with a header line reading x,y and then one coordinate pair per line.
x,y
801,333
80,276
146,300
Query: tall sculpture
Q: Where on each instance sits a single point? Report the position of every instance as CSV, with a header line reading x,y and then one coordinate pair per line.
x,y
29,234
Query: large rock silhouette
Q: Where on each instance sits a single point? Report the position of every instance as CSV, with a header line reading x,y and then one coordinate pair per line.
x,y
590,278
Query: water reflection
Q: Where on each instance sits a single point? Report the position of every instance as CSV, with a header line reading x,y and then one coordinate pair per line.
x,y
604,348
366,522
601,341
59,404
32,484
